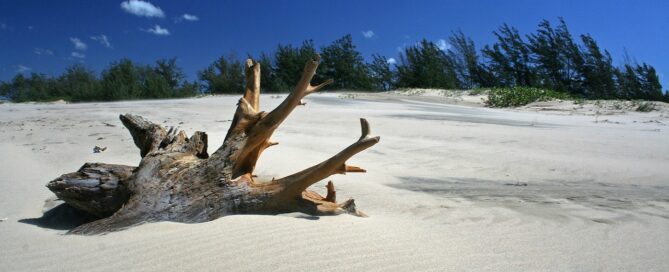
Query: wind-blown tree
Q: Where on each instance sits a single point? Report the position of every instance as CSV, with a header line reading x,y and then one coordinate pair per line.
x,y
553,54
426,66
508,60
465,60
596,70
382,76
649,83
225,75
343,63
628,84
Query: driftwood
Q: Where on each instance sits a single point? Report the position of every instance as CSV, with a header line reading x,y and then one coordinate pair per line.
x,y
177,180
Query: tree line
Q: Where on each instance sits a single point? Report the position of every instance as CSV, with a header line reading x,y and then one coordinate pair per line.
x,y
550,58
122,80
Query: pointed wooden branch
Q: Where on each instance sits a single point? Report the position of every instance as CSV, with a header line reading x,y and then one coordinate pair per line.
x,y
150,137
294,184
294,99
252,92
146,135
332,193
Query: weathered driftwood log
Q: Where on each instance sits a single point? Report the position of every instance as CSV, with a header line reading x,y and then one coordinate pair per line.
x,y
177,180
98,188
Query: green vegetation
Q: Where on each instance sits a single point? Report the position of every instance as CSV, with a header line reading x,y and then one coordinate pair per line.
x,y
518,69
519,96
123,80
645,106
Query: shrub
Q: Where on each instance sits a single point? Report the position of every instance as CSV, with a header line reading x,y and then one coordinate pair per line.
x,y
646,107
520,96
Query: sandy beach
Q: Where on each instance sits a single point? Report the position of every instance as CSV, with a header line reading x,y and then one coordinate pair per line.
x,y
451,186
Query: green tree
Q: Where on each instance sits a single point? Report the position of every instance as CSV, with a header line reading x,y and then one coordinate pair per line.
x,y
168,70
426,66
649,83
629,86
80,84
288,65
225,75
36,87
466,61
122,80
153,84
382,76
5,90
509,59
596,70
556,58
343,63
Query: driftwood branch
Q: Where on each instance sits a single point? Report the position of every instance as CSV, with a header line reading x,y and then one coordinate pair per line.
x,y
300,181
177,180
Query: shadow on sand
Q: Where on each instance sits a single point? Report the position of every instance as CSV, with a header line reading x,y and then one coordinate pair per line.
x,y
61,217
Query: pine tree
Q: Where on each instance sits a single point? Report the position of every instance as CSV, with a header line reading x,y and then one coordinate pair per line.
x,y
80,83
596,70
225,75
121,81
343,63
509,59
465,60
628,83
649,83
426,66
289,61
550,49
168,70
381,74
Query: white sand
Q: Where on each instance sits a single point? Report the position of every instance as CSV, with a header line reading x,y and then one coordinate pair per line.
x,y
444,189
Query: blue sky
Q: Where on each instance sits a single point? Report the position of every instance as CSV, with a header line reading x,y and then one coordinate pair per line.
x,y
47,36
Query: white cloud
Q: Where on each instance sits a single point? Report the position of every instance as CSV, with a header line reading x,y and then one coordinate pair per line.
x,y
190,17
77,55
391,61
42,51
158,30
22,68
102,39
78,44
443,45
368,34
142,8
